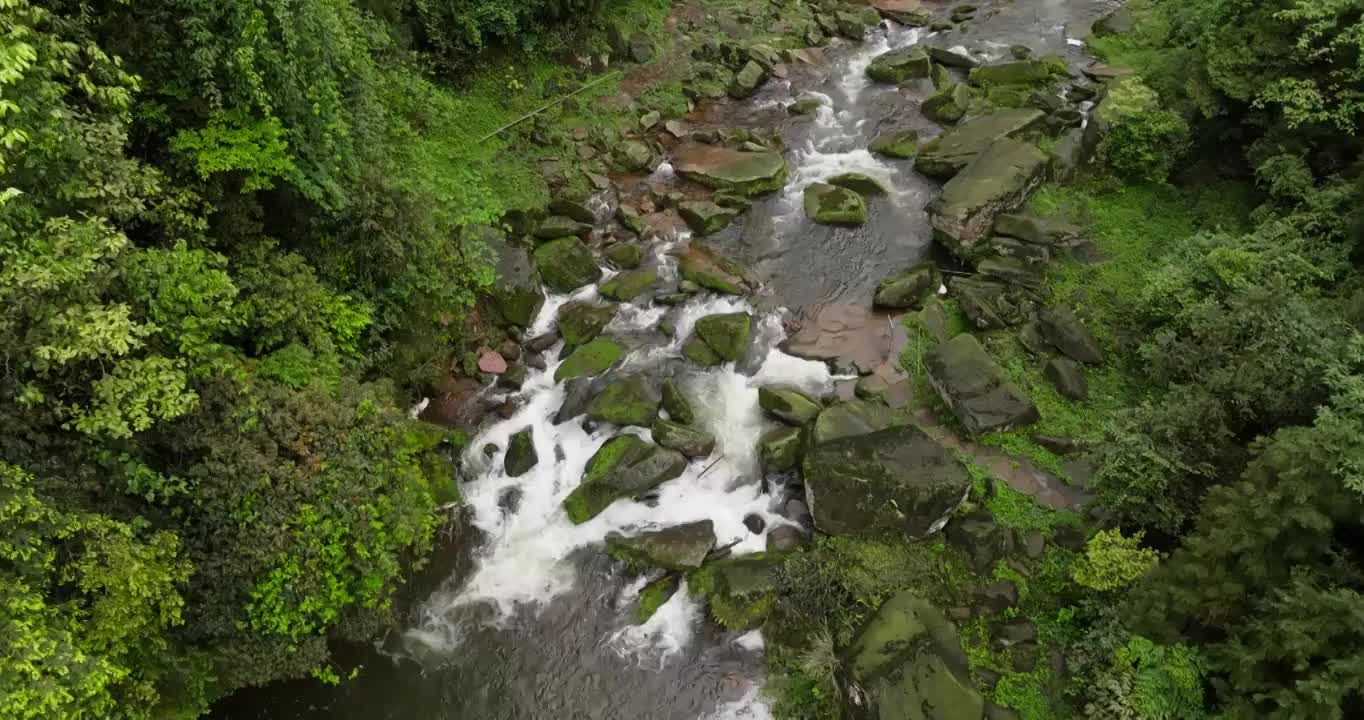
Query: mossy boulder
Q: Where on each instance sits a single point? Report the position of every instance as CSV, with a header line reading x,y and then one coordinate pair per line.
x,y
624,256
631,219
1068,378
804,106
780,449
721,168
848,418
1036,230
1062,329
516,295
559,226
747,80
590,359
832,205
572,209
566,264
977,391
999,180
1012,271
631,400
628,285
900,65
676,403
946,155
521,456
953,58
624,466
859,183
909,288
705,217
1021,72
580,322
680,547
685,439
907,663
741,591
899,144
655,595
726,334
949,104
696,350
704,265
788,404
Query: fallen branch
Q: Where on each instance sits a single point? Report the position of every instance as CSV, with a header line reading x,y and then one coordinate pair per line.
x,y
537,111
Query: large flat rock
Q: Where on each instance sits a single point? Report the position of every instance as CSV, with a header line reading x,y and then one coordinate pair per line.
x,y
848,336
976,389
998,181
750,173
949,153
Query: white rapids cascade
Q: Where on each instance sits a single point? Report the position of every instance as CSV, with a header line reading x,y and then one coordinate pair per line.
x,y
524,563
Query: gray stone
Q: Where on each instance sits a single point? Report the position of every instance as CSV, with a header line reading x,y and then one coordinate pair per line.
x,y
788,404
898,66
998,180
566,264
947,154
748,173
783,538
996,597
831,205
521,455
680,547
572,210
1068,378
948,105
952,58
979,393
909,288
687,440
676,403
705,217
631,400
623,467
747,81
516,296
1070,336
780,449
558,226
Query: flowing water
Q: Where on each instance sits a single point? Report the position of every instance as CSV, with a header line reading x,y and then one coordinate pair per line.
x,y
537,622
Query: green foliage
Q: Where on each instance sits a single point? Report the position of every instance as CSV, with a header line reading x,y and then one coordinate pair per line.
x,y
1113,561
1142,141
235,142
1150,681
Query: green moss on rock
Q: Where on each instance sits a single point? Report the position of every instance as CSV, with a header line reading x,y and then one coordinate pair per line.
x,y
590,359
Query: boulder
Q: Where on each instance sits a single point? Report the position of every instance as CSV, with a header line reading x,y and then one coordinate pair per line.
x,y
1021,72
566,264
747,81
900,65
788,404
783,538
947,154
513,378
696,350
559,226
726,334
641,48
631,219
804,106
1118,22
846,336
721,168
990,305
906,12
1061,328
982,541
705,217
580,322
590,359
848,418
628,285
572,210
676,403
521,455
1029,254
831,205
711,269
1068,378
687,440
906,663
997,597
1000,179
1012,633
764,55
780,449
680,547
631,400
1058,444
516,295
624,256
490,361
634,156
1035,230
853,24
624,466
942,77
899,144
948,105
858,183
741,590
979,393
952,57
1013,271
909,288
577,395
893,480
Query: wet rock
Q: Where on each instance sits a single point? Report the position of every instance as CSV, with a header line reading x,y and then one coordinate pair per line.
x,y
631,219
1057,444
999,179
707,267
509,500
516,297
942,77
899,144
788,404
521,455
948,105
897,479
513,378
490,450
848,418
489,361
953,57
628,285
747,81
675,402
648,120
804,106
573,210
631,400
906,12
1028,253
696,350
740,589
623,467
577,394
859,183
634,156
1068,378
705,217
797,511
946,155
1030,335
982,541
783,538
508,408
680,547
754,523
765,56
559,226
748,173
898,66
726,334
566,264
1039,231
536,361
624,256
640,48
830,205
848,335
1070,336
580,322
1013,271
728,199
590,359
1013,632
1021,72
907,663
909,288
979,393
1118,22
996,597
687,440
853,24
1034,544
1020,52
780,449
